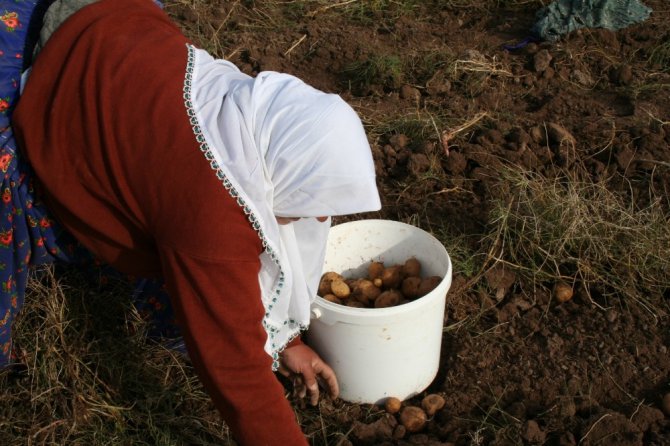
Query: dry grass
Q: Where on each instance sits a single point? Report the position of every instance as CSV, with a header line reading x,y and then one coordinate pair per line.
x,y
93,379
573,229
659,56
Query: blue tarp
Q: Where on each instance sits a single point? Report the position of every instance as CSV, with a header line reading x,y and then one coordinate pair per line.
x,y
564,16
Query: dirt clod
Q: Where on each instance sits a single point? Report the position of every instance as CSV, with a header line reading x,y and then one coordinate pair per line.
x,y
532,433
665,404
541,60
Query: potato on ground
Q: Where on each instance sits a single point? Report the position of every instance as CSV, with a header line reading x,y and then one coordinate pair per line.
x,y
432,403
392,405
562,292
389,298
413,418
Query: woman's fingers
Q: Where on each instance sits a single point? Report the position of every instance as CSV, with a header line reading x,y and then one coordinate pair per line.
x,y
309,378
284,371
299,389
327,374
307,370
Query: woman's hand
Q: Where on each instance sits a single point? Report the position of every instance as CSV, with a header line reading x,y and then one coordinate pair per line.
x,y
306,369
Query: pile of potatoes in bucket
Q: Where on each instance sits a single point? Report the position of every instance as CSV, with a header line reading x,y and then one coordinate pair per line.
x,y
384,286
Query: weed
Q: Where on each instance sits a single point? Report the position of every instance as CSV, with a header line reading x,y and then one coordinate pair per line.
x,y
383,70
423,67
370,12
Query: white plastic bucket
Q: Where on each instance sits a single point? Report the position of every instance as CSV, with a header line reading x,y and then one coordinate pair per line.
x,y
381,352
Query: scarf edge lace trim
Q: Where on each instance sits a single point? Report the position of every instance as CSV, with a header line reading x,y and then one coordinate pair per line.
x,y
255,224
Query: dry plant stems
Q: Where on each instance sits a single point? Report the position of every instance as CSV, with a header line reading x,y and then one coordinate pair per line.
x,y
483,65
93,378
331,6
295,44
369,11
208,34
581,440
448,135
578,230
473,70
215,39
659,56
495,422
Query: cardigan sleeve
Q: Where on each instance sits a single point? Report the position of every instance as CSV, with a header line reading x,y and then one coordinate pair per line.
x,y
218,306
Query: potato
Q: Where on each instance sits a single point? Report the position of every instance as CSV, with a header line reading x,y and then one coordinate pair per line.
x,y
432,403
392,405
375,270
389,298
365,291
378,282
412,268
410,287
333,298
324,288
392,277
562,292
354,303
340,288
429,284
326,279
413,418
399,432
353,283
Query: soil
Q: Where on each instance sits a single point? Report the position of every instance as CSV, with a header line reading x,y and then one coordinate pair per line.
x,y
527,369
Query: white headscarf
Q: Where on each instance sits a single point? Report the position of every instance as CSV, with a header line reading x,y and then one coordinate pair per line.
x,y
283,149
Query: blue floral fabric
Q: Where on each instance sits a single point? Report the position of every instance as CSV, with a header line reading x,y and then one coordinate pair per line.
x,y
28,235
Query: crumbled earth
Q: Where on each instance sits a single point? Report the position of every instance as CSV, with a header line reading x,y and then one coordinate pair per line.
x,y
527,369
